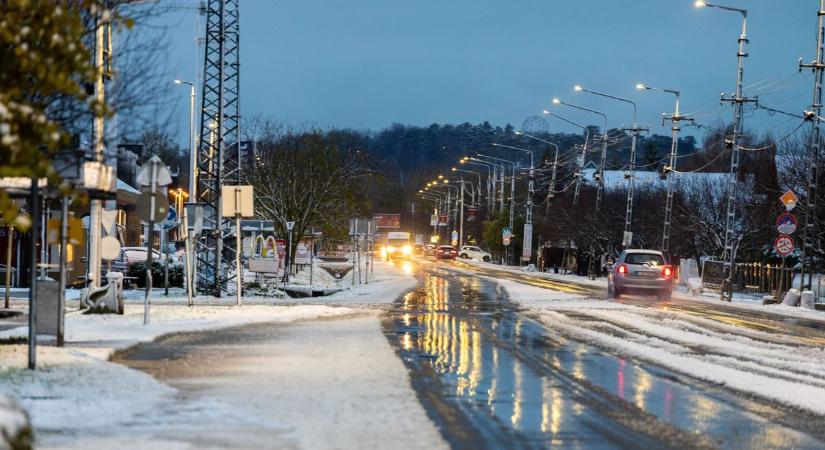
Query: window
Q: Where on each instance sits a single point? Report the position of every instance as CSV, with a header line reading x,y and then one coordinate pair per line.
x,y
644,258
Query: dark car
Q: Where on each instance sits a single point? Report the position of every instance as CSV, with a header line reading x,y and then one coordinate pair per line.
x,y
446,252
641,272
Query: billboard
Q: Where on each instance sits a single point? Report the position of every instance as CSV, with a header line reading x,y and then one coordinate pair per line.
x,y
392,221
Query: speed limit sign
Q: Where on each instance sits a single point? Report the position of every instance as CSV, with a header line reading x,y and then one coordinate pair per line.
x,y
784,245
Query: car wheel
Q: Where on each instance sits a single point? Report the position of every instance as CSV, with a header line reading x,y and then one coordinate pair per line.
x,y
486,258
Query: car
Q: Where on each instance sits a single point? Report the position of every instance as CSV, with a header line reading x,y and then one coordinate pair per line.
x,y
131,255
397,246
429,250
418,249
639,271
446,252
473,252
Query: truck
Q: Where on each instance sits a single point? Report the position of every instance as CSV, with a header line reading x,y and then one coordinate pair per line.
x,y
398,245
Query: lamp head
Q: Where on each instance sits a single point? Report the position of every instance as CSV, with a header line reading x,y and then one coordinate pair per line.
x,y
641,87
545,111
177,81
440,177
700,3
556,101
446,181
453,169
518,133
578,88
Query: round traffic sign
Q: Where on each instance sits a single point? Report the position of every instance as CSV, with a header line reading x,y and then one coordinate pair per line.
x,y
143,207
784,245
301,249
786,223
109,248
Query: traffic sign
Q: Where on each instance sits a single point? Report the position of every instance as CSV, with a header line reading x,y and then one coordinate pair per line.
x,y
154,172
786,223
506,232
784,245
151,212
505,240
789,199
171,220
454,235
109,248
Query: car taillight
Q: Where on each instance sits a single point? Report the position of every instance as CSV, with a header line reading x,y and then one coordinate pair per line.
x,y
667,271
622,269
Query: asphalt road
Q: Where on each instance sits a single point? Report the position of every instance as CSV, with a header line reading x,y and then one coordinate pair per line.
x,y
490,377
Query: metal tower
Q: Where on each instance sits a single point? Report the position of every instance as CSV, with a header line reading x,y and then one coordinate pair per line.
x,y
219,145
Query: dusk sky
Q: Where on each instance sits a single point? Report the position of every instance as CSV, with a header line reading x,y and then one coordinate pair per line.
x,y
369,63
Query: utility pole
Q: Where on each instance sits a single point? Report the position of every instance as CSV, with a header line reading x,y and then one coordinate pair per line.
x,y
580,163
98,131
461,220
738,101
817,66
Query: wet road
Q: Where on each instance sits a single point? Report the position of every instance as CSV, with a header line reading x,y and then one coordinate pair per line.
x,y
784,329
490,377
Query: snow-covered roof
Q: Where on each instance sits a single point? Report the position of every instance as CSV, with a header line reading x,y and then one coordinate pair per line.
x,y
615,179
126,187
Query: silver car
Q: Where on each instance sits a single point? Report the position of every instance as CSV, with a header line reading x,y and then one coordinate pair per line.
x,y
641,272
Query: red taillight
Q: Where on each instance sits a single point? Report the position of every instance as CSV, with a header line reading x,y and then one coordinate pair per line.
x,y
667,271
622,269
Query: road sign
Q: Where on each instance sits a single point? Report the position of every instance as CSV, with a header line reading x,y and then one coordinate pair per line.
x,y
472,214
627,239
109,248
784,245
505,240
154,171
237,200
454,235
169,222
506,232
789,199
786,223
144,207
442,220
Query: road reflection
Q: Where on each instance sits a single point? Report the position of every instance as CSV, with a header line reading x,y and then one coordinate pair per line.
x,y
514,381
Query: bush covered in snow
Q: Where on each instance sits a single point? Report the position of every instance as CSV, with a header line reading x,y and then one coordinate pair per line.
x,y
15,430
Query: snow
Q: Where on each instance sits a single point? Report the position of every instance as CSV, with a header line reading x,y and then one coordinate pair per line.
x,y
772,366
77,399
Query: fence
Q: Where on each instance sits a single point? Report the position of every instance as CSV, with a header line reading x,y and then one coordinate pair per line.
x,y
758,277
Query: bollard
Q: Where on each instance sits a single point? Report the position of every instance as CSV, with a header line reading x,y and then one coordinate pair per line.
x,y
791,298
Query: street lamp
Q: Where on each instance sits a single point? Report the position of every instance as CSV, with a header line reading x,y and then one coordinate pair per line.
x,y
738,100
599,178
634,133
674,118
555,160
578,174
192,150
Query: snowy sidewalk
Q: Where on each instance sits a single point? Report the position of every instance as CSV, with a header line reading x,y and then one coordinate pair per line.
x,y
76,388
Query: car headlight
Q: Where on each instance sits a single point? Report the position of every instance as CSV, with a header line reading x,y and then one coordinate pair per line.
x,y
390,249
406,249
383,251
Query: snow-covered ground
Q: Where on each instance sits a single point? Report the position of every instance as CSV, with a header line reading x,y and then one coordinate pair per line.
x,y
765,364
76,388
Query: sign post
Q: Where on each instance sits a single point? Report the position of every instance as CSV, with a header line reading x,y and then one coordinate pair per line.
x,y
153,174
187,258
241,206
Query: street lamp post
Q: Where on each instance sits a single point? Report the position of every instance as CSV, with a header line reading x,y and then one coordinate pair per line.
x,y
630,175
494,166
512,190
578,174
528,219
552,186
738,100
600,180
192,151
675,119
456,169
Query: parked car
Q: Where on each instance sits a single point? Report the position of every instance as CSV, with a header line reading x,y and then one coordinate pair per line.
x,y
446,252
429,250
131,255
640,271
473,252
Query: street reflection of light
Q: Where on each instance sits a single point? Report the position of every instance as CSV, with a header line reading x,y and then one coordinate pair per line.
x,y
578,365
551,409
475,373
493,391
406,318
704,413
518,389
406,342
407,267
463,338
643,384
668,401
620,379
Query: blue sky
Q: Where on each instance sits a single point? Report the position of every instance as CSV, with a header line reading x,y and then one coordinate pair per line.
x,y
369,63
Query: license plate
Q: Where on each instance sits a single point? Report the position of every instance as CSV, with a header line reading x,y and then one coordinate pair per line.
x,y
645,274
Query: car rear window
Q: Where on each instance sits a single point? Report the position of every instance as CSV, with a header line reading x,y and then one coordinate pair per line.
x,y
644,258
